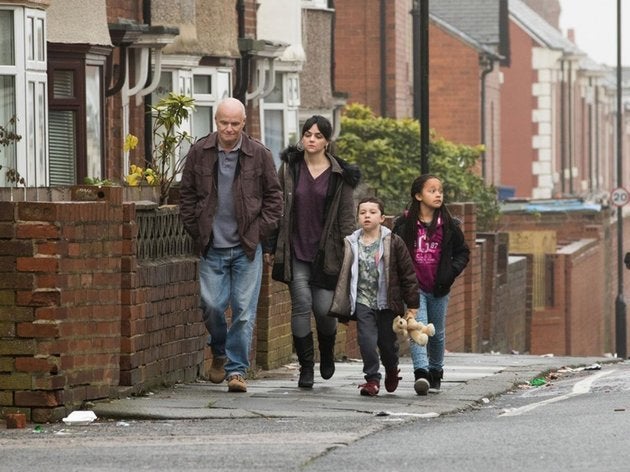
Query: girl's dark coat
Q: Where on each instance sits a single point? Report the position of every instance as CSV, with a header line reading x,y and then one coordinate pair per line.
x,y
455,252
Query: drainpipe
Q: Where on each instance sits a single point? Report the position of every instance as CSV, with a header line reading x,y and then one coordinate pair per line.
x,y
242,64
590,139
563,150
333,25
570,124
597,132
488,66
383,26
148,120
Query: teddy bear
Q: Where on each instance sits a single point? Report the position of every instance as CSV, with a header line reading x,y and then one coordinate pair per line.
x,y
409,327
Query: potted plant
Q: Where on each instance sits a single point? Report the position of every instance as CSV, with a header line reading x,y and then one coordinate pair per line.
x,y
166,161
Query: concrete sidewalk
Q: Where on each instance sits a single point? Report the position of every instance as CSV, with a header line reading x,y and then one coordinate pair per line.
x,y
468,379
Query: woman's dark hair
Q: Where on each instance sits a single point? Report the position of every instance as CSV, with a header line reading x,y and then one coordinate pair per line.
x,y
378,201
322,123
409,233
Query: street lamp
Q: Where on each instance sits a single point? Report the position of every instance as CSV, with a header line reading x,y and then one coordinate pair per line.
x,y
420,19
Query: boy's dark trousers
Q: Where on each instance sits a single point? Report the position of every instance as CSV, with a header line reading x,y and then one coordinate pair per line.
x,y
376,335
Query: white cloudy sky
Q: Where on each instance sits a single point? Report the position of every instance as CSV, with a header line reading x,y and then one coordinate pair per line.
x,y
595,25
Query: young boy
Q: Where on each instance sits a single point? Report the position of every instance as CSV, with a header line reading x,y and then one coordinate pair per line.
x,y
376,277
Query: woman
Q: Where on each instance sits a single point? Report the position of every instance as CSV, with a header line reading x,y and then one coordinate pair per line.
x,y
318,214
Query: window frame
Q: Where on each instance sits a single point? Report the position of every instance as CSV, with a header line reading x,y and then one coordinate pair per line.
x,y
77,58
289,107
75,104
17,70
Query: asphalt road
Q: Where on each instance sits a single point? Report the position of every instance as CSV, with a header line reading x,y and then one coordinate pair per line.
x,y
275,426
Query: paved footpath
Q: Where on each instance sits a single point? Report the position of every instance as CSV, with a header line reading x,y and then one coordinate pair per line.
x,y
468,380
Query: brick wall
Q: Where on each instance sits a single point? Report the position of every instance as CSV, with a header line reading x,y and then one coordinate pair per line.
x,y
80,315
357,51
573,324
60,307
462,320
457,66
122,10
552,327
517,128
162,337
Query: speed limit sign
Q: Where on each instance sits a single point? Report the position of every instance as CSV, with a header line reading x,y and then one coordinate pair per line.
x,y
619,196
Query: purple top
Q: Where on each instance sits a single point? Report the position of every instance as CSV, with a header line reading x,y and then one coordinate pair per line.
x,y
309,199
427,256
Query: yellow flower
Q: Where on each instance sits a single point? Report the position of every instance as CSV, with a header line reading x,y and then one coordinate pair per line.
x,y
131,142
135,176
133,180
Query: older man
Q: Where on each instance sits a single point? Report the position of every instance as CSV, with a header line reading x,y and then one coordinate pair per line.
x,y
230,201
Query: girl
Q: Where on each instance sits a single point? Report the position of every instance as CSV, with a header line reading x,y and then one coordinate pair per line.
x,y
440,253
318,213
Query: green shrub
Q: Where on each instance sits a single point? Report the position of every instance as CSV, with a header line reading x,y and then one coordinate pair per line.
x,y
387,151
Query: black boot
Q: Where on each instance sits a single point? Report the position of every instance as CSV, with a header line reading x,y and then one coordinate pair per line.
x,y
421,385
435,379
326,354
305,353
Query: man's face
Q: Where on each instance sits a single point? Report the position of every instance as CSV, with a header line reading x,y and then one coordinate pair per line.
x,y
230,122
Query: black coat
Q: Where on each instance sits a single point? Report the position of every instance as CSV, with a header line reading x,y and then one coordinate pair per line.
x,y
339,219
455,252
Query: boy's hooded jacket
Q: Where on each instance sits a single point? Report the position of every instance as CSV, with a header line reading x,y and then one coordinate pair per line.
x,y
339,219
397,281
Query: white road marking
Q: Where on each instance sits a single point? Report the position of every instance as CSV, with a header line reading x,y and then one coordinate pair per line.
x,y
580,388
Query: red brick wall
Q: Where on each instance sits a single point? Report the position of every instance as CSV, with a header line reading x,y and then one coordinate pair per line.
x,y
114,139
357,51
462,320
517,105
80,315
575,279
573,325
162,336
59,305
399,60
455,105
493,138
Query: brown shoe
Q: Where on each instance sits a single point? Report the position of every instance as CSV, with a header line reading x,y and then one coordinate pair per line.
x,y
217,371
236,383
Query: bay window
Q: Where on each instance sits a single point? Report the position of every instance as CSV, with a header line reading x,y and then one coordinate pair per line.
x,y
22,94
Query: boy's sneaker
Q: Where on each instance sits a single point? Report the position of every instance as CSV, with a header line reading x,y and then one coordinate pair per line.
x,y
370,388
421,385
435,380
236,383
391,379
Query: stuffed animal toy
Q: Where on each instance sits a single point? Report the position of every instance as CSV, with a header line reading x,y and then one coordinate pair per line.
x,y
410,328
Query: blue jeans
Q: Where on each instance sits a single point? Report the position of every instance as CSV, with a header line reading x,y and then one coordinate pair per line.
x,y
228,278
306,298
432,310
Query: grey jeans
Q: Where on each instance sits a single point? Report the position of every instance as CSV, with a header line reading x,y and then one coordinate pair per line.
x,y
306,299
376,336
